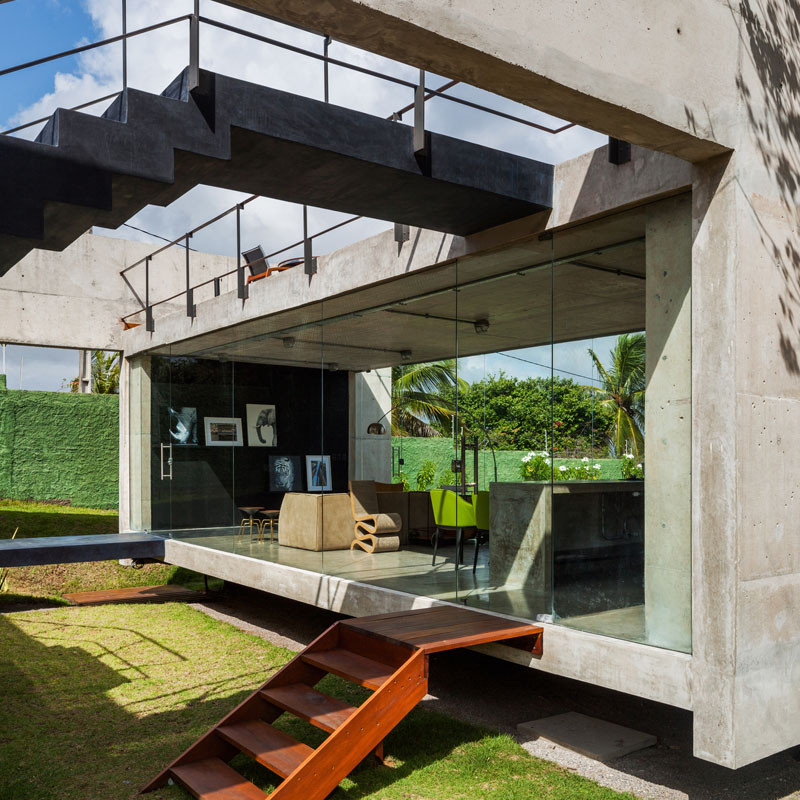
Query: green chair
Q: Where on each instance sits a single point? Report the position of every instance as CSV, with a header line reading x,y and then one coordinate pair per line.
x,y
481,503
451,512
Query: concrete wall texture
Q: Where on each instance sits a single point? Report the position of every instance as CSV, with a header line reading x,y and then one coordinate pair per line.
x,y
57,446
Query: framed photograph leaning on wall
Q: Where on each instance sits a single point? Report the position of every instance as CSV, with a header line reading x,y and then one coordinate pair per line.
x,y
318,473
223,431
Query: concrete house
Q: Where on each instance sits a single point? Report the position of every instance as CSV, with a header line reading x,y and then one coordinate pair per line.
x,y
681,586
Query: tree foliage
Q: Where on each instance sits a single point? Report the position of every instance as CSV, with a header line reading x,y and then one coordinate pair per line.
x,y
533,414
622,393
423,397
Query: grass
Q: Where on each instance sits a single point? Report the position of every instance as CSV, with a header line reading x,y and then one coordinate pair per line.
x,y
47,584
95,701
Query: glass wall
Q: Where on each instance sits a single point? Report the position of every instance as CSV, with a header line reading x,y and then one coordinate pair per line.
x,y
510,430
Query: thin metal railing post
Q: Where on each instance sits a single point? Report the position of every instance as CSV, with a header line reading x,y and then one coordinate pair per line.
x,y
124,45
243,290
194,47
149,323
309,262
325,46
191,308
419,115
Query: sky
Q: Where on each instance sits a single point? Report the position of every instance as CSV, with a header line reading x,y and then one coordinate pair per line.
x,y
31,29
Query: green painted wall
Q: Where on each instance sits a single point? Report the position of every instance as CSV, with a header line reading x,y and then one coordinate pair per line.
x,y
415,450
58,446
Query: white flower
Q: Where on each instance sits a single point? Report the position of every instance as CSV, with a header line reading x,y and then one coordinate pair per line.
x,y
544,454
562,468
526,459
629,456
638,466
547,461
598,466
585,459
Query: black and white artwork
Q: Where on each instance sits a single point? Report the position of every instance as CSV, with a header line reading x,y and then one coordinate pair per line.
x,y
261,425
182,425
318,473
285,474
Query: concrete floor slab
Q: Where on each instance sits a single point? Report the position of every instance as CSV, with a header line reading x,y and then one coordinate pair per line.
x,y
589,736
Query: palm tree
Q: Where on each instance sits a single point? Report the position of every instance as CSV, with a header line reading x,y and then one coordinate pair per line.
x,y
622,391
105,372
420,397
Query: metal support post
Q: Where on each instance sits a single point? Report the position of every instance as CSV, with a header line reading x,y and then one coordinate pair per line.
x,y
191,308
309,262
194,47
124,45
149,324
325,46
419,116
241,283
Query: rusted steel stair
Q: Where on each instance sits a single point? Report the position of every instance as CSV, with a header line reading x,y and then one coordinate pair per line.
x,y
387,654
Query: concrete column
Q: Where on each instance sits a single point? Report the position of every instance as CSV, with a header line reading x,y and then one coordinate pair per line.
x,y
370,401
85,371
668,426
135,458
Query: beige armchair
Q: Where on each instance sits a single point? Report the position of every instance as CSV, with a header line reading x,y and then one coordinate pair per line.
x,y
374,532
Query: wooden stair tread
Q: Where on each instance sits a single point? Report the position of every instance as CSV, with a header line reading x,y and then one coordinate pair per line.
x,y
213,779
276,750
307,703
351,666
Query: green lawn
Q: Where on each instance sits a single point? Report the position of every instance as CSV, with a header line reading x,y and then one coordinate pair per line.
x,y
47,584
95,701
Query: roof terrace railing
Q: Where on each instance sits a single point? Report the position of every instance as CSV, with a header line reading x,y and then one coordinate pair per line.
x,y
421,95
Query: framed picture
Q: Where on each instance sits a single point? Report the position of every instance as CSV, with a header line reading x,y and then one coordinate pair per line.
x,y
285,474
223,431
182,425
318,473
261,426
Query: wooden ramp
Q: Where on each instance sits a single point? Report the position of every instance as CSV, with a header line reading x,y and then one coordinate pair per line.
x,y
387,654
135,594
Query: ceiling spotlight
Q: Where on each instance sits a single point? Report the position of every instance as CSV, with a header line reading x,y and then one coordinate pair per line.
x,y
405,355
288,342
481,326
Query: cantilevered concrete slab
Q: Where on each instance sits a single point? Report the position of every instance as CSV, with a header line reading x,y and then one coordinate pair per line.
x,y
72,549
146,148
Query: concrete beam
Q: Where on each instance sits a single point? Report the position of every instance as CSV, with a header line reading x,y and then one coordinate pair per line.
x,y
636,669
74,549
656,75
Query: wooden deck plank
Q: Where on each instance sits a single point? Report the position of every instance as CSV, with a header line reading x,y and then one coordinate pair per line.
x,y
276,750
351,666
213,779
307,703
134,594
444,628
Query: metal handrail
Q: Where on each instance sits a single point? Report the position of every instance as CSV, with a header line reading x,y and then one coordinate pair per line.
x,y
382,75
422,95
93,45
74,108
236,269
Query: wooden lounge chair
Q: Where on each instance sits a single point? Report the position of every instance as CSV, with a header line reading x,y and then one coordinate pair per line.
x,y
374,532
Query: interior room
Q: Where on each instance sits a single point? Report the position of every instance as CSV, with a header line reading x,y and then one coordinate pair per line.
x,y
295,438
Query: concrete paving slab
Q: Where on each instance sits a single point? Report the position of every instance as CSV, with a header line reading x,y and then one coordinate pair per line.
x,y
589,736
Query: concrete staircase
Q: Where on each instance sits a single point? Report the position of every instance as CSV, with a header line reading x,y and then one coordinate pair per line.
x,y
151,149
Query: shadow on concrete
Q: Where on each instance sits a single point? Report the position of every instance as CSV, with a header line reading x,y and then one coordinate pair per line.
x,y
770,32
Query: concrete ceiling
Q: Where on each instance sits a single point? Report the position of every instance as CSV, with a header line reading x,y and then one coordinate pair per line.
x,y
585,282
